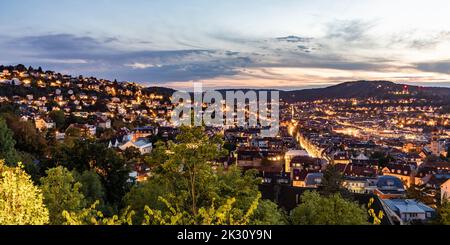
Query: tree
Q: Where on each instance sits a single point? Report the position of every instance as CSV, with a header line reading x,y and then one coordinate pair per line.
x,y
87,154
133,155
106,134
21,202
188,164
59,118
61,192
268,213
7,142
233,183
73,132
222,215
422,193
91,186
91,216
331,181
444,214
185,176
333,210
147,194
26,135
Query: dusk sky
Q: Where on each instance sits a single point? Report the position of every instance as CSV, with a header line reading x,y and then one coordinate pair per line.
x,y
283,44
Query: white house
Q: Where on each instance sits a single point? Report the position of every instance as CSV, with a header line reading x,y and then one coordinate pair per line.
x,y
409,210
14,81
143,146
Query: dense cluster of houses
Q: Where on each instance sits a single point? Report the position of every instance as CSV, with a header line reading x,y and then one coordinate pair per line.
x,y
39,92
299,159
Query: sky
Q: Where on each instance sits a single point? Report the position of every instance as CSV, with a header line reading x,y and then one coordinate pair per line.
x,y
284,44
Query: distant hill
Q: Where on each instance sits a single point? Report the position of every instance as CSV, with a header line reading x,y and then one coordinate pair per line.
x,y
357,89
166,92
368,89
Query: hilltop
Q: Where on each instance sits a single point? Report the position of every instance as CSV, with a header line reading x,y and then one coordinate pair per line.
x,y
368,89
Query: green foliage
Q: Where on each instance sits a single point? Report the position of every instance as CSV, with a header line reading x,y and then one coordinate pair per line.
x,y
58,118
73,132
331,181
232,183
222,215
91,216
147,194
444,214
421,193
21,202
91,186
61,192
27,137
188,165
105,134
86,154
376,217
188,188
7,142
268,213
133,155
333,210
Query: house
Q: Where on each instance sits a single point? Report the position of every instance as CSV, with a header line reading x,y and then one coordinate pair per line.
x,y
13,81
306,179
389,187
144,146
360,185
438,145
144,132
362,159
403,172
249,157
60,135
43,124
290,155
435,167
307,163
424,153
298,177
313,180
408,210
355,170
340,157
104,123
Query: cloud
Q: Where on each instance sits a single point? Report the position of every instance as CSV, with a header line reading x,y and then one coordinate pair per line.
x,y
96,56
58,44
294,39
307,60
137,65
437,66
430,41
348,30
419,41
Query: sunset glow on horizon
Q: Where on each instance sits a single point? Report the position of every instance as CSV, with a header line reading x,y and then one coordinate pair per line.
x,y
247,44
